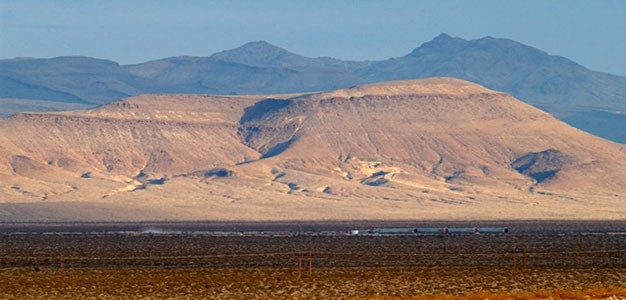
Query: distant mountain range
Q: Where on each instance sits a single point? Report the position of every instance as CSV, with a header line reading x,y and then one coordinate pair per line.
x,y
589,100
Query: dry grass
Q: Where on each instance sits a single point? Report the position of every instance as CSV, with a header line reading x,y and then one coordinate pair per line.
x,y
327,283
594,293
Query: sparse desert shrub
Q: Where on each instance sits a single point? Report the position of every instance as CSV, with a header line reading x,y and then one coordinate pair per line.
x,y
594,293
568,294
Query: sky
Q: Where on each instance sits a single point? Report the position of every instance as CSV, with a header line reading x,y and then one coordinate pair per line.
x,y
591,33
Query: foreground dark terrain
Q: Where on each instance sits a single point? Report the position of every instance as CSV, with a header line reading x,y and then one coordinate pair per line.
x,y
228,260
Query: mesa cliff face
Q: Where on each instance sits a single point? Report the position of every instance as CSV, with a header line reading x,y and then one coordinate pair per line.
x,y
431,148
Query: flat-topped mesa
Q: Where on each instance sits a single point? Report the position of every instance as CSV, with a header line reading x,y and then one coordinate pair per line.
x,y
428,86
437,147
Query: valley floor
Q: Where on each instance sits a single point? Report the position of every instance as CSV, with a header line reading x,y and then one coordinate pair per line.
x,y
569,260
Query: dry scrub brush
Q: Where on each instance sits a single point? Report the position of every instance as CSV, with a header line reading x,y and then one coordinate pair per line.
x,y
594,293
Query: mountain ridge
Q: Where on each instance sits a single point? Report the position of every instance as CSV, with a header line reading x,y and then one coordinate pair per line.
x,y
552,83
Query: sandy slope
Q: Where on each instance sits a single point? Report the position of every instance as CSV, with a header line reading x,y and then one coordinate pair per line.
x,y
432,148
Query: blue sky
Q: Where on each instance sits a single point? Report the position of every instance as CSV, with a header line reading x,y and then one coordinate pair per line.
x,y
589,32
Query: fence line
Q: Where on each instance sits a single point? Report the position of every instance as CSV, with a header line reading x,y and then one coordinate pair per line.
x,y
411,254
86,258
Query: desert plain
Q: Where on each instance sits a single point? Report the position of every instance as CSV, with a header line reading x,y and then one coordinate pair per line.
x,y
535,260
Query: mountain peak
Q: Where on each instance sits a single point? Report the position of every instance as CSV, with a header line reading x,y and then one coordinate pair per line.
x,y
259,53
500,41
443,36
441,43
260,45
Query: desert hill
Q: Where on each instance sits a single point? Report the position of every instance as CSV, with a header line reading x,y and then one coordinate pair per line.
x,y
571,92
431,148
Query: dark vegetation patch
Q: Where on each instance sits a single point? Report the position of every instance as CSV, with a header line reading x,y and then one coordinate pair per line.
x,y
139,187
215,172
279,148
377,182
262,108
376,179
541,166
454,175
328,190
157,181
218,172
279,175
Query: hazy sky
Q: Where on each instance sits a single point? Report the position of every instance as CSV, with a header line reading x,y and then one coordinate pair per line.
x,y
591,32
